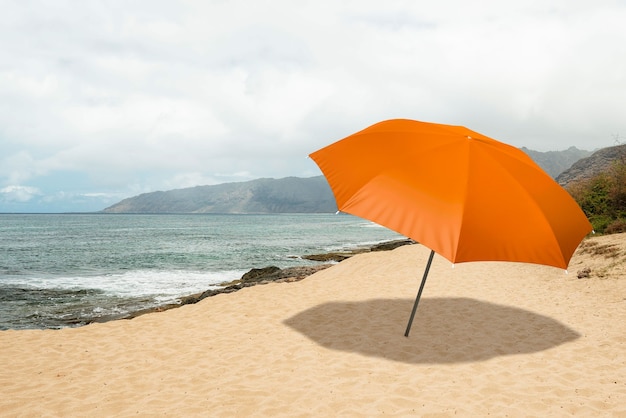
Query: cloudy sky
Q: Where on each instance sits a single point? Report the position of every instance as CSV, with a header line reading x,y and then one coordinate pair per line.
x,y
102,100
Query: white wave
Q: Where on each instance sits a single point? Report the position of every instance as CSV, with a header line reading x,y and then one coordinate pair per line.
x,y
370,225
163,284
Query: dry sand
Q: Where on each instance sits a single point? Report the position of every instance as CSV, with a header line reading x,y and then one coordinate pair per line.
x,y
498,339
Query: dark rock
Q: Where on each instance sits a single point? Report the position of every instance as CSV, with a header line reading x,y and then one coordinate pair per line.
x,y
584,273
272,273
256,275
392,245
299,273
328,256
340,256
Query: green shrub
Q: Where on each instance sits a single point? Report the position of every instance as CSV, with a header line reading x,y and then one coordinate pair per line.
x,y
600,222
603,198
615,227
617,189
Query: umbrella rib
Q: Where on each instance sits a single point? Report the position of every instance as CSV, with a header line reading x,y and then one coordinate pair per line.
x,y
463,210
524,189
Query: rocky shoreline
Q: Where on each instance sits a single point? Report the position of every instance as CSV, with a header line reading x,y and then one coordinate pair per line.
x,y
271,274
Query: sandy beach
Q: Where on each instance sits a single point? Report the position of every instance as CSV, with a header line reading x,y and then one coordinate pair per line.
x,y
489,339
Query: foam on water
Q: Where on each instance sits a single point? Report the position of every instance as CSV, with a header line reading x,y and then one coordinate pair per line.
x,y
136,283
64,270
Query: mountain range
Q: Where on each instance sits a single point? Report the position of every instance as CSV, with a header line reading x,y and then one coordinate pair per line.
x,y
286,195
556,162
592,165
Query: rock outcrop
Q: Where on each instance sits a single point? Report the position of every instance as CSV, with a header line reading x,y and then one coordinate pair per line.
x,y
593,165
342,255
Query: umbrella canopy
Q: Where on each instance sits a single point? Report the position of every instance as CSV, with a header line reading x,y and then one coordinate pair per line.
x,y
462,194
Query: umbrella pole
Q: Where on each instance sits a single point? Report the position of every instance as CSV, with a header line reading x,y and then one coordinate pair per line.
x,y
419,293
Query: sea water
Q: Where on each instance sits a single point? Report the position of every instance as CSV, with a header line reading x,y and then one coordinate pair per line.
x,y
59,270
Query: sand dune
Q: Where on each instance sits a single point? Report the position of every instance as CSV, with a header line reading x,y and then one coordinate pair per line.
x,y
500,339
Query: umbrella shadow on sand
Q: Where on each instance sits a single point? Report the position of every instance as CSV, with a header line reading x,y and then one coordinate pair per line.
x,y
445,330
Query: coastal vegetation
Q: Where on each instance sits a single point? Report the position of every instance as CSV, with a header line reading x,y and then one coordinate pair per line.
x,y
603,197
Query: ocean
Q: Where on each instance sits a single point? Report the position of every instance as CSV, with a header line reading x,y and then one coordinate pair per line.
x,y
62,270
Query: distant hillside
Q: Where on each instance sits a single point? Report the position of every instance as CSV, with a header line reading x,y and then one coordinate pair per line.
x,y
287,195
555,162
593,165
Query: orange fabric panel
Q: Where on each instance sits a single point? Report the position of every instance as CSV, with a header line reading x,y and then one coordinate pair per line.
x,y
460,193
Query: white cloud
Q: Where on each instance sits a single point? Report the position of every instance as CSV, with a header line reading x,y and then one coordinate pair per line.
x,y
145,95
19,193
191,179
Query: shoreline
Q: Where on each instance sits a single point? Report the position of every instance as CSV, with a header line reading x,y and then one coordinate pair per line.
x,y
69,271
263,276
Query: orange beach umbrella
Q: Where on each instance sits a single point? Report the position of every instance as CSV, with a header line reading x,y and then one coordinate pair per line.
x,y
460,193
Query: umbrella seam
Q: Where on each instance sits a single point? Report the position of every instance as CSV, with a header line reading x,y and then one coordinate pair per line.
x,y
535,204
